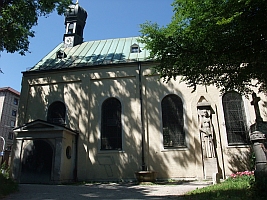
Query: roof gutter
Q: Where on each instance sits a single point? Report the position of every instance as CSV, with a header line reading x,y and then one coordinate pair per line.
x,y
85,67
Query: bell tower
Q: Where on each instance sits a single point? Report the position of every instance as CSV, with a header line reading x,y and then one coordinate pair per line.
x,y
75,19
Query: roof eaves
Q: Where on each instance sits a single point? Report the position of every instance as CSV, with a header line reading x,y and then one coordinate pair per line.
x,y
3,89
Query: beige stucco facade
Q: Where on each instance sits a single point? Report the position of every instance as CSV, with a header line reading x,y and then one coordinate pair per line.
x,y
83,90
9,100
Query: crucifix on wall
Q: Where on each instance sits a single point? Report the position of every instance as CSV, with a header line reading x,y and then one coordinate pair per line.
x,y
255,103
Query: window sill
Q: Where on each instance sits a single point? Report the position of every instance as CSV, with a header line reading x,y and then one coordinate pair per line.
x,y
175,149
238,146
110,151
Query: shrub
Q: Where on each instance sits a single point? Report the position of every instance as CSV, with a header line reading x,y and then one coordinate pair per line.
x,y
245,176
239,185
7,185
242,179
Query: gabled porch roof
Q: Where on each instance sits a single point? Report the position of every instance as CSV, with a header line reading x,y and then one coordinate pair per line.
x,y
37,127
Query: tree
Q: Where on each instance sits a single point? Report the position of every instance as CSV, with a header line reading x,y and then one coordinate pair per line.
x,y
212,42
17,17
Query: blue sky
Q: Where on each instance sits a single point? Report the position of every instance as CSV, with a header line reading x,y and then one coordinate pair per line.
x,y
106,19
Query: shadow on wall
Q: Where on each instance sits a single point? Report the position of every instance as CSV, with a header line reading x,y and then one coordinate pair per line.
x,y
39,93
74,90
242,160
166,161
264,111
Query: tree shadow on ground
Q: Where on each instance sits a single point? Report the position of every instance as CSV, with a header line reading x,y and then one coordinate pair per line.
x,y
101,191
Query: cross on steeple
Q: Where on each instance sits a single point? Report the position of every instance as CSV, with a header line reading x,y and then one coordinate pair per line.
x,y
254,102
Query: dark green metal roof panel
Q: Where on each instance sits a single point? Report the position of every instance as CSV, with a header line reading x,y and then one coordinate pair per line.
x,y
118,52
47,60
100,52
111,54
76,56
82,58
126,50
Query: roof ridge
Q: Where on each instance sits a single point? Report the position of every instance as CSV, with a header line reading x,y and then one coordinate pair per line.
x,y
112,39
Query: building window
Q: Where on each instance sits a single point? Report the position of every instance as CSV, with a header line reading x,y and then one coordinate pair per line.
x,y
8,148
70,28
14,113
135,48
61,54
111,128
16,101
235,119
12,123
172,120
56,113
10,135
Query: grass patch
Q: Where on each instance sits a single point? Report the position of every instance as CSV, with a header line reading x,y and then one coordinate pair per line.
x,y
7,185
238,188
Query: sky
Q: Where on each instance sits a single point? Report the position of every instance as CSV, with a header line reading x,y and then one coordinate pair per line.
x,y
106,19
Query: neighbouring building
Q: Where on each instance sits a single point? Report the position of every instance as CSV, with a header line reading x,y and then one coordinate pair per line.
x,y
9,101
95,111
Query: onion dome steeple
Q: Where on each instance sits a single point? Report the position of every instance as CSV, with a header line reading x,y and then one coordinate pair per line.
x,y
75,19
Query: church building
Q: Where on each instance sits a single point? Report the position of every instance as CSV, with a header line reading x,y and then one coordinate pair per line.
x,y
96,111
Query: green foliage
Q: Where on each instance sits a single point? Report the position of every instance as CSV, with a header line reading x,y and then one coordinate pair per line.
x,y
212,42
242,178
4,170
18,17
242,187
7,185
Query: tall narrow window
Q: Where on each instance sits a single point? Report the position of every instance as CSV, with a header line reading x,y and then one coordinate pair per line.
x,y
12,123
173,123
56,113
16,101
235,119
14,113
10,135
111,129
70,28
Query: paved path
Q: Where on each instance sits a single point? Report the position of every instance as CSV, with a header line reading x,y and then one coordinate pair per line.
x,y
103,191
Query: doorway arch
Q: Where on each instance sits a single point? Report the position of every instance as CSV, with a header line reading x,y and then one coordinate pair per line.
x,y
37,162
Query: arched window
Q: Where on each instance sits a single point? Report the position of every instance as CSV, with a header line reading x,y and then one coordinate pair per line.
x,y
70,28
111,129
56,113
235,118
173,123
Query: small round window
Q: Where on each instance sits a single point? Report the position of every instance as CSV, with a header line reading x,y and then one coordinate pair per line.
x,y
68,152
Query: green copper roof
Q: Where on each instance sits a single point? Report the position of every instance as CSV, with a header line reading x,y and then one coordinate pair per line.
x,y
100,52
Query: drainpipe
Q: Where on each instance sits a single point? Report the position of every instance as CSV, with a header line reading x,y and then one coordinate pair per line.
x,y
144,168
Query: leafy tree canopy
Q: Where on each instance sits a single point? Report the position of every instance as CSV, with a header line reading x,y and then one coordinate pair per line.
x,y
17,17
212,42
